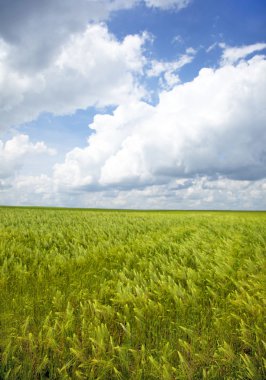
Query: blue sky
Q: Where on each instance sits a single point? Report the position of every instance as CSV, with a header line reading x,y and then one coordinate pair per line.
x,y
133,104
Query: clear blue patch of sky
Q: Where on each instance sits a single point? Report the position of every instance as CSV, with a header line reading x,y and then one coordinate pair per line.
x,y
63,133
60,132
238,21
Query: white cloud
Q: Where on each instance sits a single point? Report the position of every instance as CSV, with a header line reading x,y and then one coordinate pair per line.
x,y
168,4
41,184
198,193
27,190
57,57
201,146
92,68
207,127
232,55
83,166
159,67
37,30
167,70
14,151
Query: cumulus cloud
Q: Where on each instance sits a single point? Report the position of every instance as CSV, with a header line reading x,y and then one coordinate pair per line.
x,y
199,193
57,56
27,190
92,68
196,193
207,127
14,151
232,55
201,146
36,30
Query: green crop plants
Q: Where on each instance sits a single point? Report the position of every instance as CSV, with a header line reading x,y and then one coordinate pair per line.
x,y
94,294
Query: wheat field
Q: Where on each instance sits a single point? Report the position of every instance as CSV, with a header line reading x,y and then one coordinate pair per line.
x,y
98,294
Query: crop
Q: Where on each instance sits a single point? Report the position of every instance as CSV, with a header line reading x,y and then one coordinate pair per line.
x,y
93,294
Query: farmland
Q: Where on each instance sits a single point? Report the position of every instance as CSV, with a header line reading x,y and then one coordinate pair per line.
x,y
94,294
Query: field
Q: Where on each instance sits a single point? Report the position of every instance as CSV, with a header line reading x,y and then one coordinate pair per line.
x,y
91,294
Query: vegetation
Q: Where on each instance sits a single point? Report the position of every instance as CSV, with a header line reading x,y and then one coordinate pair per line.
x,y
132,295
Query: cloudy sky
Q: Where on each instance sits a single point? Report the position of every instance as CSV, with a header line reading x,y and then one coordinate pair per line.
x,y
133,103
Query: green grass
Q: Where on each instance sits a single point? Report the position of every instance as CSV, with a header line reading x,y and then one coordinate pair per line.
x,y
132,295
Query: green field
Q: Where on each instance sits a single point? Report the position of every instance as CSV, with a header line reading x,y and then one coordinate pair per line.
x,y
89,294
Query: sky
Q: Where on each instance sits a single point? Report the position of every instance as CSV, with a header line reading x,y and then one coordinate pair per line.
x,y
142,104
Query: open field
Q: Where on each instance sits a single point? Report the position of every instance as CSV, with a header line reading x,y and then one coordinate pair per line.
x,y
132,295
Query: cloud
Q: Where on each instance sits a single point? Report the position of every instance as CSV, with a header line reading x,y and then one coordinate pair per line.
x,y
14,151
232,55
212,126
27,190
168,4
167,70
36,30
197,193
57,56
35,185
201,193
92,68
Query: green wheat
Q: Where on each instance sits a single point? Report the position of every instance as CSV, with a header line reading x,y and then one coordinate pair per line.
x,y
91,294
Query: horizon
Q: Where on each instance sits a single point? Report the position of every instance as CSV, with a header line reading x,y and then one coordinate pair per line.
x,y
128,209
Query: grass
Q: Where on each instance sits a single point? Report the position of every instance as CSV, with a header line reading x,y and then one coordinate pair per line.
x,y
94,294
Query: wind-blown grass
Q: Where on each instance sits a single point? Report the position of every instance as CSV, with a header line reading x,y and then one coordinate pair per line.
x,y
132,295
